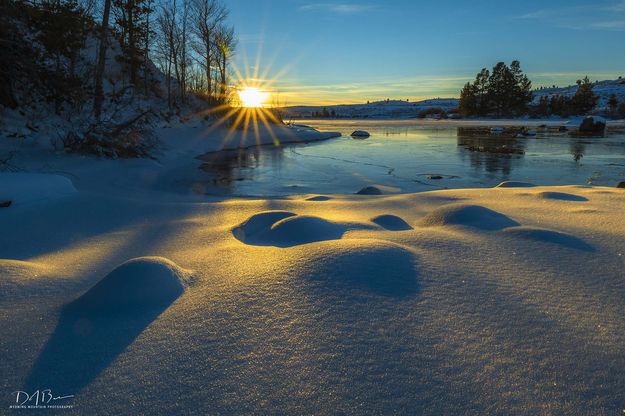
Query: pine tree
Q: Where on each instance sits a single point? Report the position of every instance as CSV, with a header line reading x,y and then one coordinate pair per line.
x,y
502,92
522,93
584,99
132,17
468,101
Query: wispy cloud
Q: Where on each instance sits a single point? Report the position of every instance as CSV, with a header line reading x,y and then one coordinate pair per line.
x,y
609,16
610,25
340,8
617,7
538,14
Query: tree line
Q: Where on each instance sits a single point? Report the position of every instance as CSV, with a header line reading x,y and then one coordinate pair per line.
x,y
506,91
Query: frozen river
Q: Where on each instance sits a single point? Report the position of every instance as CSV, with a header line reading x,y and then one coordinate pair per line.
x,y
408,157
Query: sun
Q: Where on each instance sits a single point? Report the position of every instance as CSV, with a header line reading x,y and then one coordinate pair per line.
x,y
253,97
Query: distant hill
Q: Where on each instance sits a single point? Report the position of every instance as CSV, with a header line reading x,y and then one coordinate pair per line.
x,y
380,109
602,88
406,109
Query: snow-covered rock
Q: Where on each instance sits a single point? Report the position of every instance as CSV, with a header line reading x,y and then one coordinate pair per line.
x,y
370,190
360,134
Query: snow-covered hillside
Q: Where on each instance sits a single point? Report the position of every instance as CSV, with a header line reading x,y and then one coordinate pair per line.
x,y
604,89
380,109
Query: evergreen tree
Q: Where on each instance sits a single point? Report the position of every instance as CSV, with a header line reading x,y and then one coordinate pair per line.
x,y
468,101
584,99
522,89
504,91
132,18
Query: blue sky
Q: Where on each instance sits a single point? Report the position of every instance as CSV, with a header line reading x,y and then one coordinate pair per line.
x,y
353,51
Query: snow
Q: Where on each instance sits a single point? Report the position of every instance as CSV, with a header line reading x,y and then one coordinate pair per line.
x,y
391,222
30,188
137,297
468,215
604,89
137,285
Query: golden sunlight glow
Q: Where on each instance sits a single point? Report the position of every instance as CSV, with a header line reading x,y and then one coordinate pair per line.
x,y
253,97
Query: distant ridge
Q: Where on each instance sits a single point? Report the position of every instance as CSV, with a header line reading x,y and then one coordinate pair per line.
x,y
392,109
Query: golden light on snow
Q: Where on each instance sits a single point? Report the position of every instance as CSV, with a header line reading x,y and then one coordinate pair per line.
x,y
253,97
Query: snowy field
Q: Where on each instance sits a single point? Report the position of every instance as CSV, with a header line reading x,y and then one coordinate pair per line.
x,y
475,301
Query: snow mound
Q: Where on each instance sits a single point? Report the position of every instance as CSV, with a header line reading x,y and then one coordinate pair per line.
x,y
391,223
26,188
548,236
475,216
318,198
561,196
372,266
370,190
259,224
513,184
137,285
285,229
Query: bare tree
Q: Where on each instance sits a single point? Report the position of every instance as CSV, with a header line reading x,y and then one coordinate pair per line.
x,y
167,26
225,44
207,16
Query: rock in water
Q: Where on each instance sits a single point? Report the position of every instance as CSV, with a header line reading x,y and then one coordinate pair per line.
x,y
5,204
593,125
361,134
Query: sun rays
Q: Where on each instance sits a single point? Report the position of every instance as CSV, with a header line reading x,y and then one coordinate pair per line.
x,y
251,110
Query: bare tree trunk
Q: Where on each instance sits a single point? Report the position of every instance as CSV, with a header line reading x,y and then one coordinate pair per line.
x,y
208,70
147,47
99,74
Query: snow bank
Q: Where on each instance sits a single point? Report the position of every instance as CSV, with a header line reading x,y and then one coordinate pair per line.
x,y
285,229
475,216
350,267
137,285
198,137
548,236
27,188
391,223
561,196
